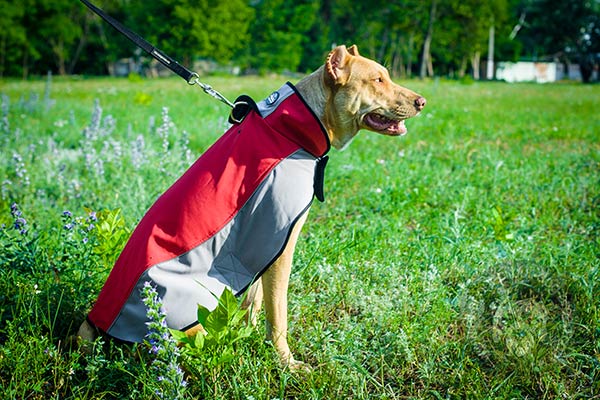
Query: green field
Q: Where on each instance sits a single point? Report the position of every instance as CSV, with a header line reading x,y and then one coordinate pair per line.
x,y
460,261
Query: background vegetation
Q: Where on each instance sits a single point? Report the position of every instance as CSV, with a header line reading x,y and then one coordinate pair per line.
x,y
441,37
460,261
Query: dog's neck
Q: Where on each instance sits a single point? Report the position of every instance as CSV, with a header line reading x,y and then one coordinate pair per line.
x,y
319,98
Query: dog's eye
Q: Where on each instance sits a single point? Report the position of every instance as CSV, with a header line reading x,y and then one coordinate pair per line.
x,y
379,80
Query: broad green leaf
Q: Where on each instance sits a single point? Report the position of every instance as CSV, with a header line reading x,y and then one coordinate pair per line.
x,y
203,314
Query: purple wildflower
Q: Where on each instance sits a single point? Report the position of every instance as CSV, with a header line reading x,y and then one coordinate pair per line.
x,y
20,222
168,375
14,210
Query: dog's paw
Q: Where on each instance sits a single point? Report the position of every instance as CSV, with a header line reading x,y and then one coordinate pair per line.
x,y
294,365
298,366
84,339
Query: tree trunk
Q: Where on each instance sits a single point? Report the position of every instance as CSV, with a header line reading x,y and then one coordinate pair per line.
x,y
426,64
80,46
2,56
25,62
384,42
490,59
57,49
411,42
463,68
475,59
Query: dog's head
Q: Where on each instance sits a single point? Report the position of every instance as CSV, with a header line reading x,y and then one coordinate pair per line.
x,y
362,96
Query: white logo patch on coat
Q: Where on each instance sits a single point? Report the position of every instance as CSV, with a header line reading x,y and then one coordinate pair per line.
x,y
272,99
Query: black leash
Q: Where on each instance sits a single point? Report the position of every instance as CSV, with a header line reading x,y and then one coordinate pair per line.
x,y
189,76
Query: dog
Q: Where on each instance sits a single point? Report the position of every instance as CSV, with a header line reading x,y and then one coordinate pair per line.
x,y
326,108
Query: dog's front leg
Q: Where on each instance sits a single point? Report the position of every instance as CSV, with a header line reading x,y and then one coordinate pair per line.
x,y
275,282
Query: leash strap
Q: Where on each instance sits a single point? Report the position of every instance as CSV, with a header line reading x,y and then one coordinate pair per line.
x,y
189,76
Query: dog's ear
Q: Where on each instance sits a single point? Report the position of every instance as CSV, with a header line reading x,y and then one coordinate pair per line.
x,y
336,64
353,50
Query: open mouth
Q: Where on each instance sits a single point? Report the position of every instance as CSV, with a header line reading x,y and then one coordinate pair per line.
x,y
385,125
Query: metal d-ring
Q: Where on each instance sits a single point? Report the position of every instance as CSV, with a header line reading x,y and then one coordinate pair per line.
x,y
235,119
193,79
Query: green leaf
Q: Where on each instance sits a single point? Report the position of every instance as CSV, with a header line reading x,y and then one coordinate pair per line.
x,y
178,335
216,320
203,314
229,303
199,340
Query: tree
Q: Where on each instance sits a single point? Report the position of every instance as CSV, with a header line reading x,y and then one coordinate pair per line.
x,y
462,33
12,32
279,33
426,62
386,31
187,29
58,23
212,28
569,31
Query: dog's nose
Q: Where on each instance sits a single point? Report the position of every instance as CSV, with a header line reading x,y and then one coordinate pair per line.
x,y
420,103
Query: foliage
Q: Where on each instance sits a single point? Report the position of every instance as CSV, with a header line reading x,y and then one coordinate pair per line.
x,y
209,351
284,35
111,233
547,34
460,261
187,29
279,34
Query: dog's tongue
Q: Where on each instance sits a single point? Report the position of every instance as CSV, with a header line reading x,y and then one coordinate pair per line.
x,y
398,128
382,124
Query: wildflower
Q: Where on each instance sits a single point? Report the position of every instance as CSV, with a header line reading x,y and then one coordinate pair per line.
x,y
163,133
20,169
162,345
137,152
14,210
48,102
4,123
99,167
19,222
67,214
91,132
5,188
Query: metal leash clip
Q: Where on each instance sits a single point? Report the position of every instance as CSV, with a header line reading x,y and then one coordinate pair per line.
x,y
194,80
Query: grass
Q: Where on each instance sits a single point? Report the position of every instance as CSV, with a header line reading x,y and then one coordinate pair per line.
x,y
461,261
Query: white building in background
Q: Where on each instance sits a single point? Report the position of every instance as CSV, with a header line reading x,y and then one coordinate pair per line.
x,y
540,72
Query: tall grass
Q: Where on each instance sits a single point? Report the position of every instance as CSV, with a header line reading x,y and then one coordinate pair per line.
x,y
461,261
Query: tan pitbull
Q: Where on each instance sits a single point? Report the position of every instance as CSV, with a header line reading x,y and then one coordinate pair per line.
x,y
348,93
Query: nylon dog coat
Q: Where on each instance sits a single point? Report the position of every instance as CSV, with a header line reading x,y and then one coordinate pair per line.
x,y
222,223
